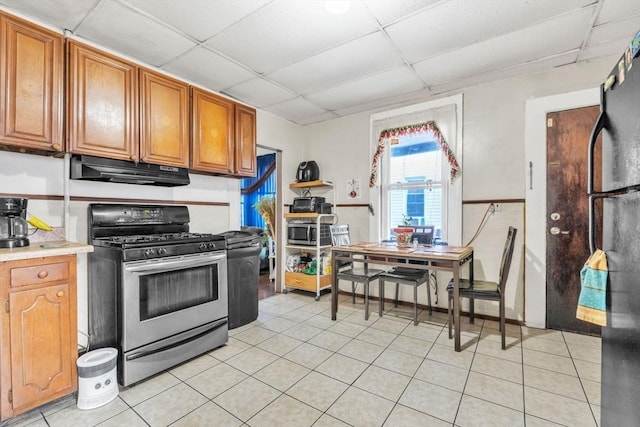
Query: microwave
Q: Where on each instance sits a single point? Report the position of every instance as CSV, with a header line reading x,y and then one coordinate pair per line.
x,y
307,233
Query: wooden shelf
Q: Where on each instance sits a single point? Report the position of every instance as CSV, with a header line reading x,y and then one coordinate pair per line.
x,y
317,183
306,215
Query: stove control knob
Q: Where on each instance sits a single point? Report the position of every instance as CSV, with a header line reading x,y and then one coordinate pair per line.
x,y
162,251
211,245
149,253
203,246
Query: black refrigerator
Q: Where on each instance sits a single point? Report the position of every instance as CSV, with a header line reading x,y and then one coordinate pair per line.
x,y
619,125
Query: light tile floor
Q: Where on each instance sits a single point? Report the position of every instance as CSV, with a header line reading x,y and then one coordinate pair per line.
x,y
293,366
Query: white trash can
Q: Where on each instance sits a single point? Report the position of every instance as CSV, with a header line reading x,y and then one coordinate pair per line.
x,y
97,378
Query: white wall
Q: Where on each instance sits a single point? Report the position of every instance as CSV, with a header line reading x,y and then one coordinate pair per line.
x,y
494,164
30,175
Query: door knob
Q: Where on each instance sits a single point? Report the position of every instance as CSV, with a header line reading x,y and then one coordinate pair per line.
x,y
556,230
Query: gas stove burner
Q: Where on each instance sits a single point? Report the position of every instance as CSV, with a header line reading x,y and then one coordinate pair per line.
x,y
161,238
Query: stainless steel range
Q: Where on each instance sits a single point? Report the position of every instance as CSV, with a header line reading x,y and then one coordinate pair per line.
x,y
156,291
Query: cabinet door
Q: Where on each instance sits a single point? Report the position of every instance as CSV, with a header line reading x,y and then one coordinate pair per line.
x,y
245,141
42,365
212,140
102,104
31,86
164,120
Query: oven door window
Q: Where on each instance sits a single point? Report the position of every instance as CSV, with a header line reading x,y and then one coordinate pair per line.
x,y
172,291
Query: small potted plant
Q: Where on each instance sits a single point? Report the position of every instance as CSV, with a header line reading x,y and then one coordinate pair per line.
x,y
403,233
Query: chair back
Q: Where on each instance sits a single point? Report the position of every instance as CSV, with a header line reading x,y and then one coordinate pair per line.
x,y
340,235
507,254
423,233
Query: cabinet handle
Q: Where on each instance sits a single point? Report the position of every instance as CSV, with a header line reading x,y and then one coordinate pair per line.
x,y
56,147
60,293
43,274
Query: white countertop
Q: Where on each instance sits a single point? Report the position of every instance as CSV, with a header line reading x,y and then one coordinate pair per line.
x,y
44,249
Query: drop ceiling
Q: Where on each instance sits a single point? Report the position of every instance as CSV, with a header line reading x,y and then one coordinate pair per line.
x,y
301,61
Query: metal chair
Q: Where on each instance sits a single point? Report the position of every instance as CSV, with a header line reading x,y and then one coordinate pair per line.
x,y
405,276
346,271
423,233
481,289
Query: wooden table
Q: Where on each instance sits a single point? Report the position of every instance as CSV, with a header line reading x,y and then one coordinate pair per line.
x,y
443,258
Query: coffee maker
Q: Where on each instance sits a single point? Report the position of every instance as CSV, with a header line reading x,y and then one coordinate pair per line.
x,y
13,223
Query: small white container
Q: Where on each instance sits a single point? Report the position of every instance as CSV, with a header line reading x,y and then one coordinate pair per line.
x,y
97,378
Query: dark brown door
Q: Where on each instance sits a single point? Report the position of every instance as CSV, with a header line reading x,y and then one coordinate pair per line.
x,y
567,214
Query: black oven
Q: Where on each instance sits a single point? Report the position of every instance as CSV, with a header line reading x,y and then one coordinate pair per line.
x,y
160,297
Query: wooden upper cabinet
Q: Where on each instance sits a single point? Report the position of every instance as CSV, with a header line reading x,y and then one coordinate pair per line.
x,y
164,120
102,104
245,141
31,80
212,143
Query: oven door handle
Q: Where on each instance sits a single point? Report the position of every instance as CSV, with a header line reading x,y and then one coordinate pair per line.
x,y
172,264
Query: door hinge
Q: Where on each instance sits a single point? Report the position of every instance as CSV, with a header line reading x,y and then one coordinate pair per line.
x,y
10,395
549,122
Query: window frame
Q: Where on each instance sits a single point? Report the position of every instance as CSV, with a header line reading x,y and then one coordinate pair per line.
x,y
452,202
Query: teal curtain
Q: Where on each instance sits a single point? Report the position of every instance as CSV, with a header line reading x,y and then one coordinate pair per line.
x,y
253,189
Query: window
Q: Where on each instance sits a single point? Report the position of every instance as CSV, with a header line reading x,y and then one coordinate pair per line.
x,y
424,165
412,183
262,185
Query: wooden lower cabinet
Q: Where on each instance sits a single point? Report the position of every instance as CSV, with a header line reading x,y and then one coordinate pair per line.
x,y
38,334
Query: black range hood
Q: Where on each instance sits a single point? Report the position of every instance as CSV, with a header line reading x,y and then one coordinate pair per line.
x,y
91,168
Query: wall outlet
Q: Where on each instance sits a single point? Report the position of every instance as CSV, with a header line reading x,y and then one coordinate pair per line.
x,y
497,207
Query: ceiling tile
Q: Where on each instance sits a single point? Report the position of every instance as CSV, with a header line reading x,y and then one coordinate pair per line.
x,y
363,56
329,115
199,18
626,28
208,69
287,31
387,12
389,83
613,10
507,50
530,67
385,102
459,23
64,14
614,47
119,28
295,109
259,92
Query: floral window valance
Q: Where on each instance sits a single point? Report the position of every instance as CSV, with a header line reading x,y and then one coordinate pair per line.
x,y
411,130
